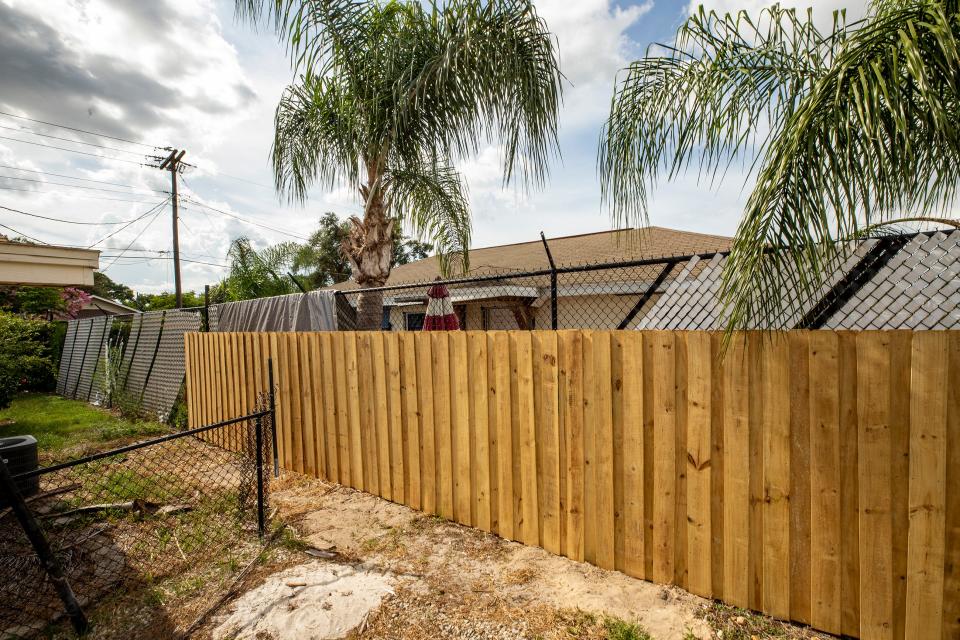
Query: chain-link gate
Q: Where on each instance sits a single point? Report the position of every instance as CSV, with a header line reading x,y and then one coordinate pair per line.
x,y
73,534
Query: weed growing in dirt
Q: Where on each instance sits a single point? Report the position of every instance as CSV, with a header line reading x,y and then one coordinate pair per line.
x,y
621,630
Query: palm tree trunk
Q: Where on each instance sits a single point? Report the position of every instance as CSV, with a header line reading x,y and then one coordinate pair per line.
x,y
369,246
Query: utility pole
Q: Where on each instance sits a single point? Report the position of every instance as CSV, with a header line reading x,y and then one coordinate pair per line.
x,y
172,164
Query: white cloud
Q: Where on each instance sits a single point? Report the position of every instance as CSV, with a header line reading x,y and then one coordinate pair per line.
x,y
593,45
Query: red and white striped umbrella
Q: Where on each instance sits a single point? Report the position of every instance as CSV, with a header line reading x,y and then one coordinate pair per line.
x,y
440,315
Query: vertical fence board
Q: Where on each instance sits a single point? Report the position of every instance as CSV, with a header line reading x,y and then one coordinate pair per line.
x,y
631,352
357,474
479,431
825,513
443,416
736,474
428,455
927,486
680,462
590,501
526,429
603,434
571,353
461,439
308,423
548,441
849,490
799,393
334,449
618,417
411,418
776,477
381,414
312,345
504,428
664,455
876,570
899,470
398,489
698,460
755,415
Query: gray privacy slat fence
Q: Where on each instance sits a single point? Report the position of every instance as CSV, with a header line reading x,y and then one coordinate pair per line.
x,y
151,368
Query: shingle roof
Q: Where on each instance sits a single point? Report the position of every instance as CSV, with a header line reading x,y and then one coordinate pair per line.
x,y
606,246
918,288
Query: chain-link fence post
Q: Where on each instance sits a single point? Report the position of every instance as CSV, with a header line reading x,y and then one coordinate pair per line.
x,y
553,283
38,541
261,516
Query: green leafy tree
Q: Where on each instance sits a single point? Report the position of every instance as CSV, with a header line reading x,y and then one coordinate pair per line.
x,y
390,95
26,359
321,261
321,258
259,274
163,301
844,128
105,287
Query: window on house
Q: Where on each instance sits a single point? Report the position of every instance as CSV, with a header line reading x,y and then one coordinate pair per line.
x,y
413,321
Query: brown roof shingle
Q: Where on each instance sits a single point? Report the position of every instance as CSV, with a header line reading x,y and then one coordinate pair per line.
x,y
604,246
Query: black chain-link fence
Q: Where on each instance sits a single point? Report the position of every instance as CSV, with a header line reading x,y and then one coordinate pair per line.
x,y
903,281
120,521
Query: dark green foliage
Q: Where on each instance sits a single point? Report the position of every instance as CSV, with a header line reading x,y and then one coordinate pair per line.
x,y
26,359
320,261
105,287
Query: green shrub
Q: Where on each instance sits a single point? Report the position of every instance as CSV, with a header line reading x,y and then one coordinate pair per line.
x,y
26,359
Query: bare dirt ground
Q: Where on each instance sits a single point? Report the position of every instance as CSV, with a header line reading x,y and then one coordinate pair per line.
x,y
447,581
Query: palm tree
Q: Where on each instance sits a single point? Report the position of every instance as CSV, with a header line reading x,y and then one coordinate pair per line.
x,y
390,95
843,129
259,274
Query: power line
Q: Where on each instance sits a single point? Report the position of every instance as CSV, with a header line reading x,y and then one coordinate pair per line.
x,y
76,186
90,224
142,231
144,215
141,259
92,133
91,144
62,175
84,153
245,220
75,195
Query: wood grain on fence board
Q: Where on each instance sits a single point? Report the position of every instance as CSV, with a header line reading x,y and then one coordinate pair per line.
x,y
811,476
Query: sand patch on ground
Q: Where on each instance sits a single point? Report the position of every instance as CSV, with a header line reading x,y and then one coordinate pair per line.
x,y
460,582
313,601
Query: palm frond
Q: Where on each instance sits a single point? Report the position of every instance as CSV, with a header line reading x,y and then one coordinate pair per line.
x,y
483,72
431,199
875,138
712,97
319,137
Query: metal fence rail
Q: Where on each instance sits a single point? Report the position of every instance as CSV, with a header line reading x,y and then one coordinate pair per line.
x,y
115,522
904,281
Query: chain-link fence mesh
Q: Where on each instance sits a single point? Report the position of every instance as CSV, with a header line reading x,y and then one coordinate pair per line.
x,y
892,282
122,520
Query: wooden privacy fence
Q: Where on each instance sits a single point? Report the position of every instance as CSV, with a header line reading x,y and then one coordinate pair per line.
x,y
814,476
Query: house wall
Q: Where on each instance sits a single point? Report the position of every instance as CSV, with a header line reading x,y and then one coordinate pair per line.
x,y
35,265
579,312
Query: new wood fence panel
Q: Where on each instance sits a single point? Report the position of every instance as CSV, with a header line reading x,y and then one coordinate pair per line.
x,y
812,476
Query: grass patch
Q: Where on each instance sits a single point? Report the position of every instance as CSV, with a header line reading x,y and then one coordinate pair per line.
x,y
61,425
621,630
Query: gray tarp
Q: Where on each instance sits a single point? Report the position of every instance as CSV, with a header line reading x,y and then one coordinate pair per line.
x,y
314,311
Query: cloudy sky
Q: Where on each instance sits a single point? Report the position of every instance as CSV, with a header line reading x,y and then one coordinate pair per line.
x,y
187,75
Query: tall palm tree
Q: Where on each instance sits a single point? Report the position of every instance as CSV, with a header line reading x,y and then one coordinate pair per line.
x,y
390,95
843,129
